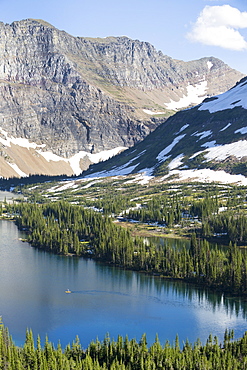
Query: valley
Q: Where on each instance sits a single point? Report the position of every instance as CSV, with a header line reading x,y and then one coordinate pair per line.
x,y
128,170
76,227
105,218
103,320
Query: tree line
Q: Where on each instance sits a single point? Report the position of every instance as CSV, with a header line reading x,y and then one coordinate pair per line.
x,y
123,354
170,210
63,228
231,223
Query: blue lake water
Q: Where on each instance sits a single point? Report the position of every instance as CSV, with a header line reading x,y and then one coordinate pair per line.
x,y
104,300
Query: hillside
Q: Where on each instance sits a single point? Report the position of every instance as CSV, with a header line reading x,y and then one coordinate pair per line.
x,y
64,98
212,135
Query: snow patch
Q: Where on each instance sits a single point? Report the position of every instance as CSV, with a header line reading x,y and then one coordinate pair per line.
x,y
221,152
194,133
196,154
17,170
195,95
176,162
203,134
49,156
237,149
162,155
74,161
106,154
182,128
123,170
235,97
18,141
224,128
142,178
126,169
91,184
139,155
209,64
67,185
147,171
207,175
151,113
242,130
209,144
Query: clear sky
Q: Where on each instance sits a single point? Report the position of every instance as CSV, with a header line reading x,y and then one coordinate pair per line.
x,y
182,29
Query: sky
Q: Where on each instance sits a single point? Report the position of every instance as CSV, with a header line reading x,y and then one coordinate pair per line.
x,y
182,29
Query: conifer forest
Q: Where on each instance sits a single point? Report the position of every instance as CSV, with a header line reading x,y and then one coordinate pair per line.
x,y
106,221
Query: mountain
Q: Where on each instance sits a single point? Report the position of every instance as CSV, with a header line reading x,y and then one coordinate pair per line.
x,y
66,102
209,136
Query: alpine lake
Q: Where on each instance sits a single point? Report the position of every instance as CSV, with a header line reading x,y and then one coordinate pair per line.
x,y
103,299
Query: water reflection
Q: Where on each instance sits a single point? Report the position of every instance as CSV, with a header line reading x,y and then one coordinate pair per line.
x,y
103,299
232,305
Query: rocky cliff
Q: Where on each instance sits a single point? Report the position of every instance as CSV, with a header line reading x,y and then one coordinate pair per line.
x,y
70,94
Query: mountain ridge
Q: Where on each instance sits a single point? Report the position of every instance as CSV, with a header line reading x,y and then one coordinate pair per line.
x,y
74,95
212,135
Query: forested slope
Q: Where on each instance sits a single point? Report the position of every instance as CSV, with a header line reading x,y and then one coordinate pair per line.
x,y
63,228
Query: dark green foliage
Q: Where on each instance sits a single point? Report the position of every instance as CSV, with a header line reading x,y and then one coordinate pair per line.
x,y
111,204
60,227
204,207
124,354
63,228
162,209
227,223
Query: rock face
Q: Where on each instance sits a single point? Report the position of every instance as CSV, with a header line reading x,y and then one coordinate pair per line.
x,y
73,94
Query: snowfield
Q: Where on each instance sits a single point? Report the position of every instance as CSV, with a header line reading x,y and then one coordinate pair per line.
x,y
195,95
206,175
74,161
236,97
221,152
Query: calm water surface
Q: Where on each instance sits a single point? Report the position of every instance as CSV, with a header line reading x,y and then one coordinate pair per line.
x,y
103,299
